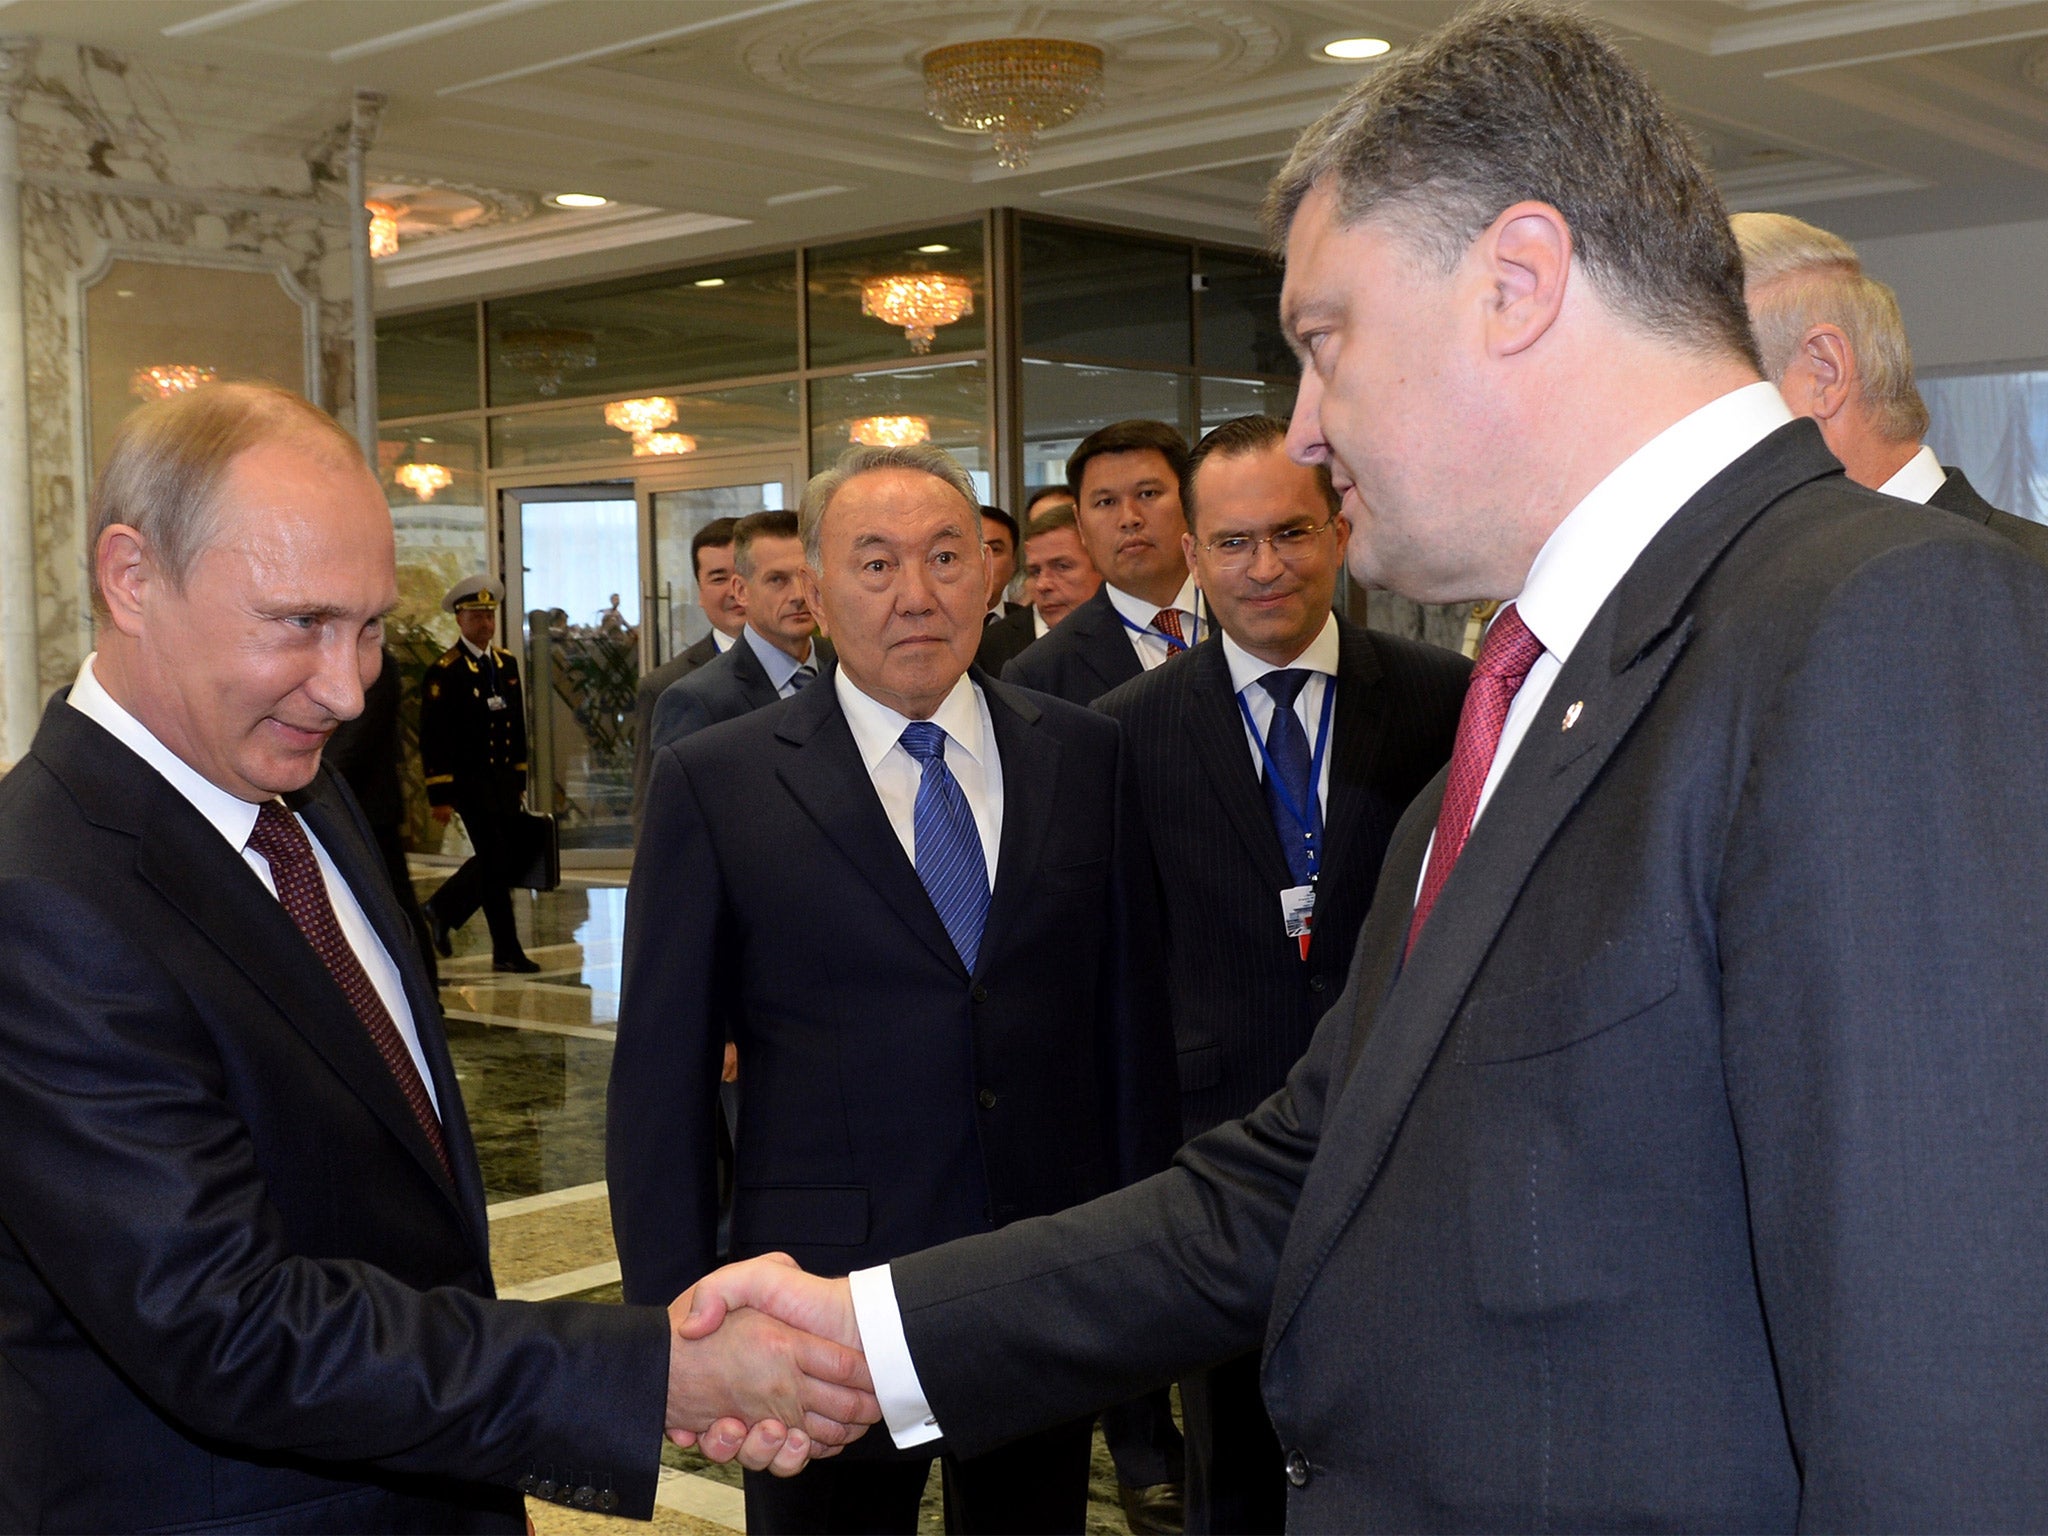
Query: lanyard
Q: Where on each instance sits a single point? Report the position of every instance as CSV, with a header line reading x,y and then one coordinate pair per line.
x,y
1309,819
1173,647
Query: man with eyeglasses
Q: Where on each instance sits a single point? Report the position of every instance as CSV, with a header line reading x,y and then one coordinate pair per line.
x,y
1271,766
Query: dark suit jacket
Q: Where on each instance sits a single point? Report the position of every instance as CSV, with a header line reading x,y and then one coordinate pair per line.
x,y
892,1099
1082,657
1959,496
1688,1174
1244,1003
648,694
724,688
1004,638
365,751
235,1285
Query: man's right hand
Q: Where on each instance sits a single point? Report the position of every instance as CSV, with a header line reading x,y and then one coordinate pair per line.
x,y
442,813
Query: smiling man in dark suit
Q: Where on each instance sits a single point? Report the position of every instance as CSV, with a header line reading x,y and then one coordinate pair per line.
x,y
1673,1159
1272,766
722,597
245,1275
975,1034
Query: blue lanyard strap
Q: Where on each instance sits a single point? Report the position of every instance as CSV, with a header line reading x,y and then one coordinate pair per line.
x,y
1309,818
1173,646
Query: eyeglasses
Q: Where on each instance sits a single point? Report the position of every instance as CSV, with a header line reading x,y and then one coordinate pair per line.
x,y
1236,551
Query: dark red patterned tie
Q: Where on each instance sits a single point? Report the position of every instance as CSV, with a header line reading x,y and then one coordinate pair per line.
x,y
1167,622
1505,657
303,894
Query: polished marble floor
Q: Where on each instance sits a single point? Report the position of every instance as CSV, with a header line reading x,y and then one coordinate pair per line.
x,y
533,1054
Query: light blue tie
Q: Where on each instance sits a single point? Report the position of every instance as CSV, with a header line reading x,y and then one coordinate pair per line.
x,y
949,857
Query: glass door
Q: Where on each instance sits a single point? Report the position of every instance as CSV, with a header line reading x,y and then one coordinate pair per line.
x,y
679,504
572,585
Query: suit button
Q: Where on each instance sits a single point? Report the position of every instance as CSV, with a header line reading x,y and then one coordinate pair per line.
x,y
979,994
1315,983
527,1483
1297,1469
986,1098
544,1489
607,1501
584,1497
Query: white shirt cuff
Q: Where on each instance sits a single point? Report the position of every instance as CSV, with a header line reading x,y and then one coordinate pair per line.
x,y
897,1388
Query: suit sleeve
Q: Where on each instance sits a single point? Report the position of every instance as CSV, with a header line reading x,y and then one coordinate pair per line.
x,y
516,689
1883,928
132,1183
671,1043
437,735
1021,1329
1139,1067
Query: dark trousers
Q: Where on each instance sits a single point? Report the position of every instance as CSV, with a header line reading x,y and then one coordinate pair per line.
x,y
1143,1441
1236,1477
1037,1486
485,879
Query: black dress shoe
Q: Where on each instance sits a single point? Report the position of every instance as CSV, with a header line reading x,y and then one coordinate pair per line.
x,y
521,964
437,927
1158,1510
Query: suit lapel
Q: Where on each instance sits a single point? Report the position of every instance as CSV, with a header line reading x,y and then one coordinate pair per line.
x,y
1356,735
826,775
751,676
1216,737
1099,642
1030,766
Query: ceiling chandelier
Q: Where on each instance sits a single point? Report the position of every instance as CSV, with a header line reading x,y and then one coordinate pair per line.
x,y
1012,88
889,431
160,381
383,229
547,353
639,417
920,302
649,444
424,480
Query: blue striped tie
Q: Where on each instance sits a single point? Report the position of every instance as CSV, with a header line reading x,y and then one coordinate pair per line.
x,y
949,858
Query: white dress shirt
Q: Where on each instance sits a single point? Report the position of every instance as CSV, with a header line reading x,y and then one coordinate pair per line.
x,y
1319,660
1148,642
971,757
235,820
1575,572
722,641
1918,478
778,663
1039,628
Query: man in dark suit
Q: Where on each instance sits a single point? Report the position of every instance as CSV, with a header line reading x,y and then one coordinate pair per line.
x,y
245,1275
366,753
1673,1159
1272,766
979,1038
999,544
1126,478
1834,343
777,653
723,599
1058,577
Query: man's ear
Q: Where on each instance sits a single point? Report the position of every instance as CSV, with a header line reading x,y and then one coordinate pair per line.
x,y
1527,262
1831,365
124,574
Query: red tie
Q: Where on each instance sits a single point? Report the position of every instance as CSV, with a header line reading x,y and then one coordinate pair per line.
x,y
1167,622
1505,657
303,894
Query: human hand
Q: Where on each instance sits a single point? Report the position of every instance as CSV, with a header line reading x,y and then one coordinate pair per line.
x,y
730,1072
442,813
772,1395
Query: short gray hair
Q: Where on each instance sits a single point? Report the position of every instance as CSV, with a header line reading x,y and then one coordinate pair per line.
x,y
859,460
1525,101
1799,276
170,461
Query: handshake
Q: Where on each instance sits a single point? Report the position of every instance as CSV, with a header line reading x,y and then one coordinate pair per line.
x,y
765,1365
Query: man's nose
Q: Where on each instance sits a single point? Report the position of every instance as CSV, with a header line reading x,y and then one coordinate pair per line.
x,y
1305,443
1266,565
337,685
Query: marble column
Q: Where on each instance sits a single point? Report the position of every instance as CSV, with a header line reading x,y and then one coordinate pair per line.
x,y
362,133
20,700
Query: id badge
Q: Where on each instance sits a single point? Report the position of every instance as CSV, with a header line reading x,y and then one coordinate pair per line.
x,y
495,701
1297,913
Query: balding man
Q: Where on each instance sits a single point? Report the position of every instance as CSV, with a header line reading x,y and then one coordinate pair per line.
x,y
245,1278
1833,341
972,1035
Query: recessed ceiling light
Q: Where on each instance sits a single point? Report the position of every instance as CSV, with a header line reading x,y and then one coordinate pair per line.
x,y
578,200
1349,48
709,282
934,250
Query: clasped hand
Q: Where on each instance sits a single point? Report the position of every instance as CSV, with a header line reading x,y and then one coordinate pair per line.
x,y
765,1366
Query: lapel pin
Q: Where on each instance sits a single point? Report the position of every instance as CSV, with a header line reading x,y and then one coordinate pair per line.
x,y
1571,716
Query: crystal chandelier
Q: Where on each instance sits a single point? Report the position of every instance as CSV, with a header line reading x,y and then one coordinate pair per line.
x,y
920,302
889,431
383,229
160,381
424,480
546,354
637,418
650,444
1012,88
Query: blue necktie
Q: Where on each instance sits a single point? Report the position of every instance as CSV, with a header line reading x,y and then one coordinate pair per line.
x,y
802,678
949,857
1287,745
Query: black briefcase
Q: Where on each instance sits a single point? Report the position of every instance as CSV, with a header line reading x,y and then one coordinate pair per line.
x,y
540,846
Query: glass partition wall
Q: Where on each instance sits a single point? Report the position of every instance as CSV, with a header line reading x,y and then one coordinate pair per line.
x,y
584,434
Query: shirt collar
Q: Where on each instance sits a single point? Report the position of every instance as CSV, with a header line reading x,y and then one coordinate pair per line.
x,y
1918,478
723,642
1587,554
1142,613
876,727
232,817
477,651
778,663
1319,655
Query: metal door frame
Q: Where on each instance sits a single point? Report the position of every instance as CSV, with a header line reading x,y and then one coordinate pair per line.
x,y
752,467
